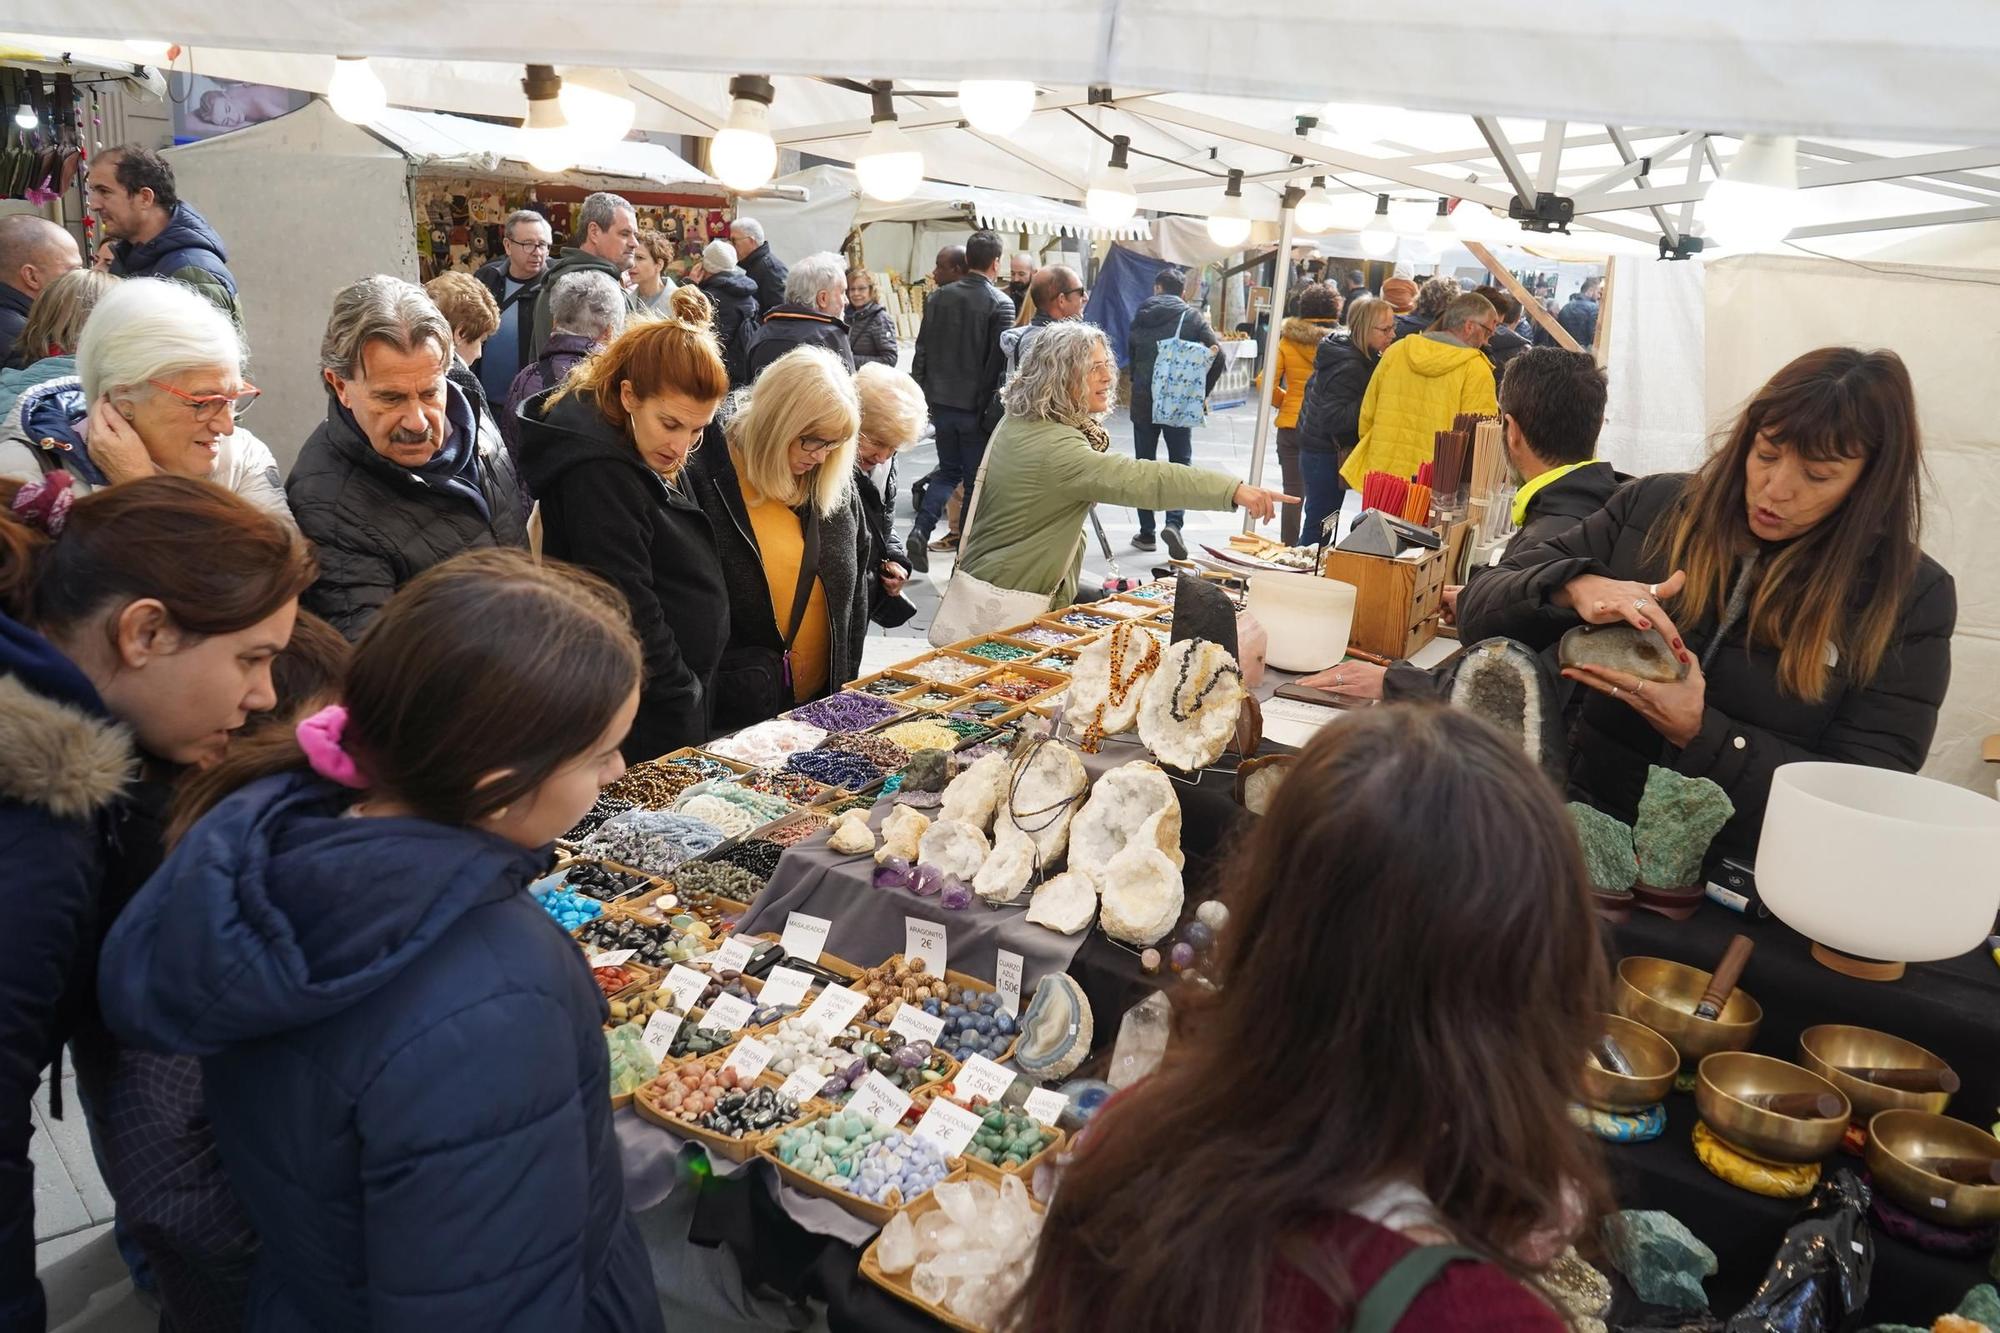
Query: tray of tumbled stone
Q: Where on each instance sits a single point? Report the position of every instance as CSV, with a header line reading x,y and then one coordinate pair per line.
x,y
653,945
603,881
796,788
946,667
865,1169
884,684
1004,650
1062,661
1088,620
1048,634
657,783
1023,684
1009,1141
731,1117
1161,593
931,697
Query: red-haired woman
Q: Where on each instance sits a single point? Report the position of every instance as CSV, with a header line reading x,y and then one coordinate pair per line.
x,y
1789,575
1372,1110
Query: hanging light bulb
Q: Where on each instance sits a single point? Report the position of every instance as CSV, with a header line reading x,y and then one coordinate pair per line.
x,y
25,117
997,106
1314,213
1109,198
1755,204
1378,238
1441,229
744,155
355,91
889,165
1229,225
545,140
598,105
151,52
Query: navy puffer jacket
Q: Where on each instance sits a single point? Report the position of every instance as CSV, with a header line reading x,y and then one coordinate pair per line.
x,y
404,1066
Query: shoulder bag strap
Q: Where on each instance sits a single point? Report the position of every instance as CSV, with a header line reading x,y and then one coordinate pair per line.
x,y
802,594
1392,1294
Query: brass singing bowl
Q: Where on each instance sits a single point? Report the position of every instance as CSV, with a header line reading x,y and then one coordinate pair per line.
x,y
1722,1080
1897,1140
1823,1048
1663,995
1652,1055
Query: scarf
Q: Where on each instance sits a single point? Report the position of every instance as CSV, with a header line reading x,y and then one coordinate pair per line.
x,y
1093,433
454,469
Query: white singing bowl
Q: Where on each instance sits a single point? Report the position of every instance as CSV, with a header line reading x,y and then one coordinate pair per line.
x,y
1880,864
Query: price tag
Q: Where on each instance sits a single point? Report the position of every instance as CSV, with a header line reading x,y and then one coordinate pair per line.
x,y
876,1098
785,986
685,985
659,1035
1045,1105
613,958
749,1059
833,1010
916,1025
735,953
805,936
727,1013
925,940
802,1086
981,1078
948,1125
1007,980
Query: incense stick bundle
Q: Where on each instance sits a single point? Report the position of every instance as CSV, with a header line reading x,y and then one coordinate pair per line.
x,y
1448,463
1489,459
1417,505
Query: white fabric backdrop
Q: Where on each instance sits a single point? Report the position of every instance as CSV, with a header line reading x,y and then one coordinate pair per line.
x,y
1655,420
1945,323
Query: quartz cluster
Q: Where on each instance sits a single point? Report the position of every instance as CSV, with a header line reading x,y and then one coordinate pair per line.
x,y
969,1254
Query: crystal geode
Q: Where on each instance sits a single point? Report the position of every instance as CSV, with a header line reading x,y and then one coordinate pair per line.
x,y
1607,848
1257,780
1191,705
1679,817
953,848
1055,1030
1134,801
1090,684
1066,903
974,795
1042,790
902,832
1142,896
1501,682
1008,868
851,834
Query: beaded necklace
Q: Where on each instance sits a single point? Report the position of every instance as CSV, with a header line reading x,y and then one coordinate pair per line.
x,y
1118,686
1180,687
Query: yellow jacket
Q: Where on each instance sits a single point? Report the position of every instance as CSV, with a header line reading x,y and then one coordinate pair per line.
x,y
1298,344
1420,386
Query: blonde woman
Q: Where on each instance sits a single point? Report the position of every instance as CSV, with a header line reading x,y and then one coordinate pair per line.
x,y
777,481
893,415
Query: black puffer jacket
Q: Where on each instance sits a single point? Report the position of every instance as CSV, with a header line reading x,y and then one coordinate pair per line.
x,y
377,525
873,334
1504,346
1330,418
734,297
604,509
744,680
958,361
791,326
1751,726
768,272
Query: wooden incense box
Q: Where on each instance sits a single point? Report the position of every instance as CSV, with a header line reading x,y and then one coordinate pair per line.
x,y
1396,602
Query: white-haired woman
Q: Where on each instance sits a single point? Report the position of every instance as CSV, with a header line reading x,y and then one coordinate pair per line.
x,y
777,482
1047,464
158,389
893,415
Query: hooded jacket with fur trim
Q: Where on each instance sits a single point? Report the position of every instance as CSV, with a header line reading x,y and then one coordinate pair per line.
x,y
63,764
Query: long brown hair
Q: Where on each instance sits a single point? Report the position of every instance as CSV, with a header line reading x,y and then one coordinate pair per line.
x,y
1410,977
216,562
486,663
1836,402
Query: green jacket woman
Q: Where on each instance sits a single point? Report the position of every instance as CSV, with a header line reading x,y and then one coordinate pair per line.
x,y
1046,465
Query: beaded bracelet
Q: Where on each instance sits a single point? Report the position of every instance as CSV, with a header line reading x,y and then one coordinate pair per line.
x,y
993,651
847,711
884,754
836,768
759,856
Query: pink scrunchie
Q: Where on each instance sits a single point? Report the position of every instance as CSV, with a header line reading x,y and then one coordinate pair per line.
x,y
319,736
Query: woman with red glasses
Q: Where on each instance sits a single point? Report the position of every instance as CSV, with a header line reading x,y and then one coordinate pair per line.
x,y
158,390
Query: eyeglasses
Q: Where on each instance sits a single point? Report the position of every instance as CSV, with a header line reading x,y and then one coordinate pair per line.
x,y
207,405
812,444
1074,291
529,245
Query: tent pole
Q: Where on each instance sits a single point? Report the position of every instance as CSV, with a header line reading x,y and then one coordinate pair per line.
x,y
1279,284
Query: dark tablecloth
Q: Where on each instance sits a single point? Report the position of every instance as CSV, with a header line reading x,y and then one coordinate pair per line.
x,y
1950,1008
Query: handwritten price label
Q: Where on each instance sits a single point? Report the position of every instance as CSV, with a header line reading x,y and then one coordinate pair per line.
x,y
749,1059
785,986
727,1013
983,1080
1007,980
833,1010
925,940
802,1086
658,1037
1045,1105
876,1098
613,958
916,1025
685,985
948,1125
735,954
805,936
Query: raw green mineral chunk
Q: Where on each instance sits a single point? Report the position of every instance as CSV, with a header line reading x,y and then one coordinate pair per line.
x,y
1607,848
1678,818
1660,1258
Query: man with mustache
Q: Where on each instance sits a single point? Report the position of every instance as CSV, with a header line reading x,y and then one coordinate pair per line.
x,y
398,477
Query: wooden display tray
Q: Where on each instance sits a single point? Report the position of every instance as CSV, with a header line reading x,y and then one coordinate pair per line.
x,y
689,752
875,1214
721,1145
1033,650
890,673
1078,635
840,967
971,681
1051,681
788,714
899,1285
1396,601
922,687
637,907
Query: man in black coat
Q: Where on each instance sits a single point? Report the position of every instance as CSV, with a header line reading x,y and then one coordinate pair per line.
x,y
810,315
397,478
607,240
1162,316
34,252
958,365
1578,318
733,293
754,257
515,280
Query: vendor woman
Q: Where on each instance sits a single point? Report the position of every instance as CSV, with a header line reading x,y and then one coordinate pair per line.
x,y
1788,576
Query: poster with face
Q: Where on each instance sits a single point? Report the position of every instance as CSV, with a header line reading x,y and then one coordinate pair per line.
x,y
205,107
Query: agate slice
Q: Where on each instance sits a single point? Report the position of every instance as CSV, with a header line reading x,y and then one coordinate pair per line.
x,y
1067,903
1644,653
975,794
1132,801
902,833
1192,705
1008,869
1043,787
1142,896
1055,1030
953,848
